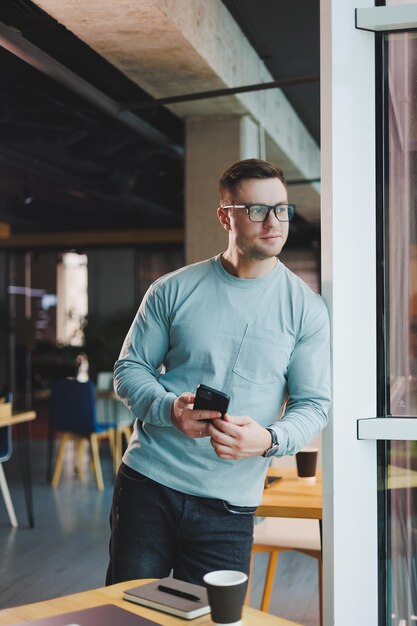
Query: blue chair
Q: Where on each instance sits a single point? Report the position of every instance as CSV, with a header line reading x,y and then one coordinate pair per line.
x,y
5,454
73,414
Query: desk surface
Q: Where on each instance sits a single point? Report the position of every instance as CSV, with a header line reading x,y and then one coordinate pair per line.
x,y
18,418
291,497
113,594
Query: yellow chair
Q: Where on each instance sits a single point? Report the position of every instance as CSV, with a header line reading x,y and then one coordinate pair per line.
x,y
73,414
278,534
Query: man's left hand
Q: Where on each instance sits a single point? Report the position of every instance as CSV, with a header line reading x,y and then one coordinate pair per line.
x,y
238,437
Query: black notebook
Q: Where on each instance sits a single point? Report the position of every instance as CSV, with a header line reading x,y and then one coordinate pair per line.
x,y
104,615
171,596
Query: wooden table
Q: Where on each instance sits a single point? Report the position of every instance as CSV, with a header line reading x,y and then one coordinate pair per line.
x,y
18,418
113,595
291,497
400,478
24,418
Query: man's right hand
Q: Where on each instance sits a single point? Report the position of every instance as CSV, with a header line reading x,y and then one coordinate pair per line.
x,y
192,423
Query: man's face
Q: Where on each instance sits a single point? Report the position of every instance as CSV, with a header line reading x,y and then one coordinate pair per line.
x,y
258,240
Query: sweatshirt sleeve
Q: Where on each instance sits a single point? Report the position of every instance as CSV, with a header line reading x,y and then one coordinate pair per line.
x,y
137,370
308,381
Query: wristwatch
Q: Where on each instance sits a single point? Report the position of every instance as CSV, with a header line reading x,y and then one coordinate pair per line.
x,y
274,445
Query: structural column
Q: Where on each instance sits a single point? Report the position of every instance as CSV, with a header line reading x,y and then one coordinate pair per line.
x,y
212,144
350,530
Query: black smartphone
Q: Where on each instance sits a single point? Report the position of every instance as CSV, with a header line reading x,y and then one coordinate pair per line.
x,y
210,399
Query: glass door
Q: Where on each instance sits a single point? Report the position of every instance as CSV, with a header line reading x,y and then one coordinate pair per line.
x,y
396,215
398,342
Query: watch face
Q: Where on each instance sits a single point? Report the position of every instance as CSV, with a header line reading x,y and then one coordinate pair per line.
x,y
272,450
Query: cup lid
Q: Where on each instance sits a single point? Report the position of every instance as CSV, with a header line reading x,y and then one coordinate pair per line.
x,y
225,577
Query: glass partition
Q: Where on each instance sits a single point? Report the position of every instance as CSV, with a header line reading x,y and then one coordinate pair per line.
x,y
402,224
398,519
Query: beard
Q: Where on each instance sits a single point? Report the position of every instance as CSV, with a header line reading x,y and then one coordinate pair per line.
x,y
258,252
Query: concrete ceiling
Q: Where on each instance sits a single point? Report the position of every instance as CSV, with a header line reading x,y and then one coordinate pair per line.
x,y
92,151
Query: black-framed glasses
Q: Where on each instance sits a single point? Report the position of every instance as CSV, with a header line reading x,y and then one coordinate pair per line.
x,y
260,212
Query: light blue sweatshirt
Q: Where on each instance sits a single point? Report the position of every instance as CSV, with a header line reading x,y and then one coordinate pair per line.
x,y
258,340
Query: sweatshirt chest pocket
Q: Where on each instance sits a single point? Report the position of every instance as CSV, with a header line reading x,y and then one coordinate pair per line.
x,y
263,355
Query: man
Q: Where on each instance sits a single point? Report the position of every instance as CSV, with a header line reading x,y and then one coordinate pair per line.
x,y
188,487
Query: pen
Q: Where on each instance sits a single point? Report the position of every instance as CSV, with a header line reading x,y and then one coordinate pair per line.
x,y
179,593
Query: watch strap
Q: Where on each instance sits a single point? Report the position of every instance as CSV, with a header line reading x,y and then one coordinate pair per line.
x,y
274,443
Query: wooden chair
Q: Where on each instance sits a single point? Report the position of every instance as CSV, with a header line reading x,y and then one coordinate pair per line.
x,y
5,454
73,414
278,534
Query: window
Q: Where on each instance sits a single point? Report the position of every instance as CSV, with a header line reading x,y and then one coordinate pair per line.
x,y
72,305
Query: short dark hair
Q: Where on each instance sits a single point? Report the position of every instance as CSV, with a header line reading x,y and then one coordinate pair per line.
x,y
247,168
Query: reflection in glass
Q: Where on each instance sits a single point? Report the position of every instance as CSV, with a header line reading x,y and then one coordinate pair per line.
x,y
402,199
402,557
401,484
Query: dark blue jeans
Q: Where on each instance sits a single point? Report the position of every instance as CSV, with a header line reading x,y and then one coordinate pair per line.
x,y
155,529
